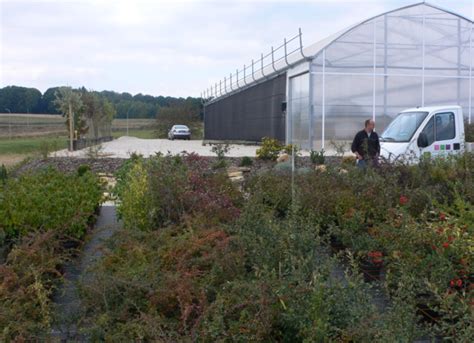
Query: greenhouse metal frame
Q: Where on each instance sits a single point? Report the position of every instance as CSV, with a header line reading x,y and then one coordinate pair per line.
x,y
418,55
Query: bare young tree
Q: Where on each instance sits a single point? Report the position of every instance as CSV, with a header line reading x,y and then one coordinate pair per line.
x,y
68,102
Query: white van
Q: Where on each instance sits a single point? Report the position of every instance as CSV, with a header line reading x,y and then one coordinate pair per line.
x,y
424,131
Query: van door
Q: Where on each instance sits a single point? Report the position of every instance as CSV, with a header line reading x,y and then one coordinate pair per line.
x,y
440,132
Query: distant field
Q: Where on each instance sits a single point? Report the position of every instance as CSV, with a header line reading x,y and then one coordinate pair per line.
x,y
26,135
15,150
24,125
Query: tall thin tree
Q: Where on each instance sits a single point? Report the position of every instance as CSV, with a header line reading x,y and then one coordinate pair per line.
x,y
68,102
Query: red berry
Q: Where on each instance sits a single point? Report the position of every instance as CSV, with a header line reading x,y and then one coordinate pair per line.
x,y
459,282
445,245
403,200
442,216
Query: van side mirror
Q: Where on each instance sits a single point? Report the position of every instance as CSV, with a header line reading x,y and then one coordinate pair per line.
x,y
283,106
422,140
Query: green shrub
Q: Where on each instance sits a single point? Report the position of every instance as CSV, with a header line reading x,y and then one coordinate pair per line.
x,y
49,200
3,174
27,281
469,131
290,148
160,190
317,157
246,161
269,150
82,169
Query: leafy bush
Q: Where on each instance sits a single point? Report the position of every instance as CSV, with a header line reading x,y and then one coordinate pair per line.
x,y
317,157
246,161
221,269
84,168
162,189
269,150
469,131
290,148
49,200
27,280
3,174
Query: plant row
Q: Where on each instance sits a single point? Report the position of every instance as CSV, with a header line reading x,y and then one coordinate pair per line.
x,y
202,259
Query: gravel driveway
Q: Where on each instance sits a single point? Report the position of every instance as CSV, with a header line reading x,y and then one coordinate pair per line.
x,y
124,146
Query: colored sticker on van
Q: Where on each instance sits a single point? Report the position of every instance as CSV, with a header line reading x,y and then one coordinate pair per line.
x,y
443,147
448,146
436,147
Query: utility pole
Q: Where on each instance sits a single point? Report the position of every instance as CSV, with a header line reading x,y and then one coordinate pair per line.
x,y
71,127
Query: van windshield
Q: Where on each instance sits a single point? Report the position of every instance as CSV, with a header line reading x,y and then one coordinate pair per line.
x,y
402,128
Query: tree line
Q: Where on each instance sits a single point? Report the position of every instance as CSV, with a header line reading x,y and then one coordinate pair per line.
x,y
17,99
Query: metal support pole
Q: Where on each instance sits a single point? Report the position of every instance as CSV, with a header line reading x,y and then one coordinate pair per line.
x,y
374,70
470,75
286,55
385,78
323,102
273,62
423,61
245,76
301,43
220,87
311,107
253,72
237,78
230,82
459,63
289,115
261,60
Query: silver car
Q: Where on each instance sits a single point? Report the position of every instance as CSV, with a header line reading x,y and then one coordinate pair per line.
x,y
179,131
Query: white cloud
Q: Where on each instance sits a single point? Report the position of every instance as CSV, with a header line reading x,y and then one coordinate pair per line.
x,y
163,46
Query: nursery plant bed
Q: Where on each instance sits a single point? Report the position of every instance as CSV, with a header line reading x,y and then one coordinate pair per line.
x,y
370,270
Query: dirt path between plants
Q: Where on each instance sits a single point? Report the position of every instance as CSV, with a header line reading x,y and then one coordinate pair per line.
x,y
67,300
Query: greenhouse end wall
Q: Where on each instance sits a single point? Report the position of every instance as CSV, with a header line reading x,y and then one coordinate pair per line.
x,y
248,115
416,56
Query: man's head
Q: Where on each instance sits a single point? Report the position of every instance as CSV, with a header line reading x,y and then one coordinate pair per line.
x,y
369,125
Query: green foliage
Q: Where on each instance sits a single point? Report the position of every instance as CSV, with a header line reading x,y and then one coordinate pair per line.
x,y
29,100
48,200
3,174
197,263
290,148
27,281
469,131
162,189
220,150
246,161
269,150
46,147
82,169
317,157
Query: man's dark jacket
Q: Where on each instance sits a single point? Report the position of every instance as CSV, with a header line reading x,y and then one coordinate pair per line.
x,y
366,147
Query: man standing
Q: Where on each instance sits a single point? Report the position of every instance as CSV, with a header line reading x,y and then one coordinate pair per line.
x,y
366,145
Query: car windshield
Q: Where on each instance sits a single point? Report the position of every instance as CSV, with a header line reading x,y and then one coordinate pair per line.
x,y
402,128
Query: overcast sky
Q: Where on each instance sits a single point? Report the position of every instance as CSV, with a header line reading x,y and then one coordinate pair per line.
x,y
172,47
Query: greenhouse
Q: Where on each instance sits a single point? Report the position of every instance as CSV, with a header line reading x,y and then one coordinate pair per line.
x,y
419,55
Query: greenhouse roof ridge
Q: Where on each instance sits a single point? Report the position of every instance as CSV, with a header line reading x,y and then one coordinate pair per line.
x,y
304,54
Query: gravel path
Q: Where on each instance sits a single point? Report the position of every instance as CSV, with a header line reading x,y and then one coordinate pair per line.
x,y
124,146
68,304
